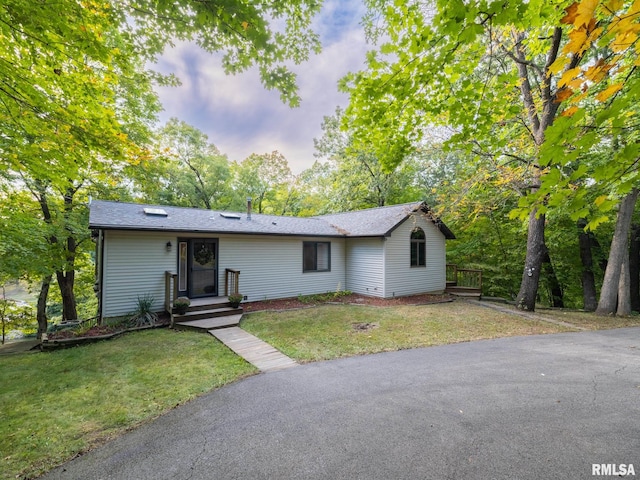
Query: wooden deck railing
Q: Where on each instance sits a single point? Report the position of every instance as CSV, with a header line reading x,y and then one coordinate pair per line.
x,y
170,289
231,281
464,277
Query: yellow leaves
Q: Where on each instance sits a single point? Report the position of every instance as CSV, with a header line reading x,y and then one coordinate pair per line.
x,y
571,14
613,5
615,24
585,12
245,25
600,200
569,112
595,73
611,90
563,94
568,77
557,66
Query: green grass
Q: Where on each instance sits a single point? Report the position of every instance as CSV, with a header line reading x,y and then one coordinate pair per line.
x,y
590,320
328,331
57,404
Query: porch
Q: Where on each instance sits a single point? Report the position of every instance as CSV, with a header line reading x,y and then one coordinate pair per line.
x,y
464,282
204,313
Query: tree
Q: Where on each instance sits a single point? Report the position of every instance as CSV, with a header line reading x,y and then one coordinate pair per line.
x,y
483,68
260,177
359,179
602,107
189,170
76,102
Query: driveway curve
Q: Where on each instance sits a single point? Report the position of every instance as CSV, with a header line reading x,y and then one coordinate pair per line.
x,y
537,407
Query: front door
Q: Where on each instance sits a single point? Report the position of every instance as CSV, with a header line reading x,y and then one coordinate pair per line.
x,y
198,267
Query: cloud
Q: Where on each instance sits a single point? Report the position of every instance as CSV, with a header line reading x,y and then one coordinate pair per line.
x,y
241,117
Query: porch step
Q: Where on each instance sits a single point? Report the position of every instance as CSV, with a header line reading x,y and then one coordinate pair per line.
x,y
207,324
207,313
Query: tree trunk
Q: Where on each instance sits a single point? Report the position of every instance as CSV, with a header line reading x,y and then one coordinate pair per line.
x,y
617,255
536,250
589,299
554,285
41,312
65,282
634,268
624,299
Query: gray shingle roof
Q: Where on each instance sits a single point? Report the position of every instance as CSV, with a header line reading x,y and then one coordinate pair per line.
x,y
374,222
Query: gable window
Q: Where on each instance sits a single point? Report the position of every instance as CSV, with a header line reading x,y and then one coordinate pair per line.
x,y
316,256
418,248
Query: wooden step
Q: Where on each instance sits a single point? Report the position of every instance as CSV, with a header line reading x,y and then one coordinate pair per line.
x,y
207,313
207,324
464,291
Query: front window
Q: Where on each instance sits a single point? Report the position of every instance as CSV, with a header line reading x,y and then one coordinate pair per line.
x,y
316,256
418,248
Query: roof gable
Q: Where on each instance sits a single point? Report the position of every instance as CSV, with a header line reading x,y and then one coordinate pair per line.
x,y
382,221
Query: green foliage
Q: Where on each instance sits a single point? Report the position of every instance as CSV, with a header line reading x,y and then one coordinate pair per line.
x,y
15,316
236,298
144,314
263,178
323,297
186,170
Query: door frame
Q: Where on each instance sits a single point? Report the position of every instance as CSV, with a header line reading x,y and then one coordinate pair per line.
x,y
184,262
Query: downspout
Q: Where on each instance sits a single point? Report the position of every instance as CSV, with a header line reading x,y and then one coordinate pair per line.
x,y
99,272
346,270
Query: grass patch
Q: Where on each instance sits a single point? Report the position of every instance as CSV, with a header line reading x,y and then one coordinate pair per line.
x,y
58,404
590,320
332,331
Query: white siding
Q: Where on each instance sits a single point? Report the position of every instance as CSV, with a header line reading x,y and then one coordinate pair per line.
x,y
271,267
365,267
134,265
400,278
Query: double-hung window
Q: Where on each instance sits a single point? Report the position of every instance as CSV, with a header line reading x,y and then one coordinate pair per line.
x,y
418,248
316,256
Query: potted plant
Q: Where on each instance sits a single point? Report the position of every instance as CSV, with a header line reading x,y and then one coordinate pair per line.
x,y
235,299
180,305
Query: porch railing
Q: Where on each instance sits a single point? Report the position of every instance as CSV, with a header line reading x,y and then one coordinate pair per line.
x,y
170,289
464,277
231,281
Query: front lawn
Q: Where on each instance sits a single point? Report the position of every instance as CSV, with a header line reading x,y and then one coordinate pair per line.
x,y
57,404
332,331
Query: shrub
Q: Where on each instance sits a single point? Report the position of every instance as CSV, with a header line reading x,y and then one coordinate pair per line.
x,y
235,299
144,315
181,304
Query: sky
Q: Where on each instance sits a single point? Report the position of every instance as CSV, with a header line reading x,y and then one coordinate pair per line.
x,y
241,117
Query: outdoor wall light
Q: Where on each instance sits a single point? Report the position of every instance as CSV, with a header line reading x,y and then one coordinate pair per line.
x,y
168,246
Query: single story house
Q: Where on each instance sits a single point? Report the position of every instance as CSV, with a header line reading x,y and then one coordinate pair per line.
x,y
385,252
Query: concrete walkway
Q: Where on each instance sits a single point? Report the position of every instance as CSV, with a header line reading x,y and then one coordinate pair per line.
x,y
253,350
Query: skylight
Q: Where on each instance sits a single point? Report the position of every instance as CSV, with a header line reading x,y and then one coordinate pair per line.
x,y
230,216
158,212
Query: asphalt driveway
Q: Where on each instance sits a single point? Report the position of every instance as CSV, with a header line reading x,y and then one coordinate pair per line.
x,y
540,407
